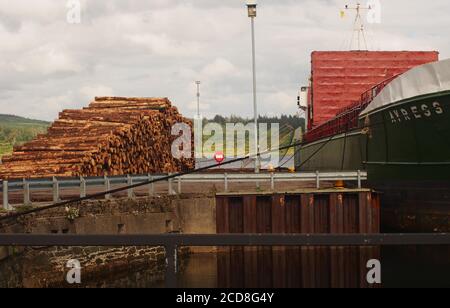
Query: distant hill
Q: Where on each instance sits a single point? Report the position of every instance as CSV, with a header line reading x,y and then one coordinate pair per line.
x,y
15,130
6,119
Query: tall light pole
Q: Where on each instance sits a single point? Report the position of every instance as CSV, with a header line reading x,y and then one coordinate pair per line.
x,y
251,7
198,98
198,130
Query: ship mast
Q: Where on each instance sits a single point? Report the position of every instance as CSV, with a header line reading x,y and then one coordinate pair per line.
x,y
358,26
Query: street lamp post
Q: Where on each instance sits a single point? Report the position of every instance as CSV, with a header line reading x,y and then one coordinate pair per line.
x,y
198,129
198,98
251,6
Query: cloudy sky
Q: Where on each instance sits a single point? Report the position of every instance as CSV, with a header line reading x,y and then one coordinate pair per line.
x,y
160,47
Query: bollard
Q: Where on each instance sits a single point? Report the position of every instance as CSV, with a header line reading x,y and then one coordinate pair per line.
x,y
107,183
5,196
55,190
82,187
26,193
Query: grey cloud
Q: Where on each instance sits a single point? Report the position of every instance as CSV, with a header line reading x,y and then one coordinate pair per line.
x,y
160,47
10,23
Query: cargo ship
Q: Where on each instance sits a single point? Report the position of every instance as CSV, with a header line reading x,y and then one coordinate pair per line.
x,y
386,113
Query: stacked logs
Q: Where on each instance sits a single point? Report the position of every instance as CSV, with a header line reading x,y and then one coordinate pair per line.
x,y
113,136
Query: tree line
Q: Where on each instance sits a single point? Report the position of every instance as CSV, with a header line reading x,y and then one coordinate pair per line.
x,y
14,135
284,120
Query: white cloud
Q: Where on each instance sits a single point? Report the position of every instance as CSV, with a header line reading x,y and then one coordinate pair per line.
x,y
44,11
220,68
163,46
160,47
46,60
280,102
56,102
90,92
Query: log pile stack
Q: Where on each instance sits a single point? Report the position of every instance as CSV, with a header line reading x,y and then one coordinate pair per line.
x,y
113,136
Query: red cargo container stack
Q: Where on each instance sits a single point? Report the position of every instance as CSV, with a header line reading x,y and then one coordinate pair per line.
x,y
340,77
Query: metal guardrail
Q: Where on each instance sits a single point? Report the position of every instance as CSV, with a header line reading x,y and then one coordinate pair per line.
x,y
171,242
26,186
205,240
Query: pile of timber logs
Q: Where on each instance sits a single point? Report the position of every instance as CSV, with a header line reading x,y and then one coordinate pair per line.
x,y
113,136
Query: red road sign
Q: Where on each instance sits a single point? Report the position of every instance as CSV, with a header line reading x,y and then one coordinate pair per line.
x,y
219,157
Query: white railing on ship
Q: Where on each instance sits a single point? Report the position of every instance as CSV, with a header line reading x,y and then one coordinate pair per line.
x,y
26,186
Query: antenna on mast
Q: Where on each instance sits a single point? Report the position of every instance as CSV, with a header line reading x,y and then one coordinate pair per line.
x,y
358,25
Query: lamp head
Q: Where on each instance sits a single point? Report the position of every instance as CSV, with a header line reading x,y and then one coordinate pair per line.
x,y
251,5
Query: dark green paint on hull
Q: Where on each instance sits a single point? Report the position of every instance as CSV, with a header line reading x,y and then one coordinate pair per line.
x,y
410,140
344,152
405,148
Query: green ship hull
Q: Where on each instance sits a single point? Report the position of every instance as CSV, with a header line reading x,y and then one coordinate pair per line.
x,y
405,149
410,140
407,141
343,152
408,160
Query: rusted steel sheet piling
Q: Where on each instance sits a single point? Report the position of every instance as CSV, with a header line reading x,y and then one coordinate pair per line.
x,y
308,211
